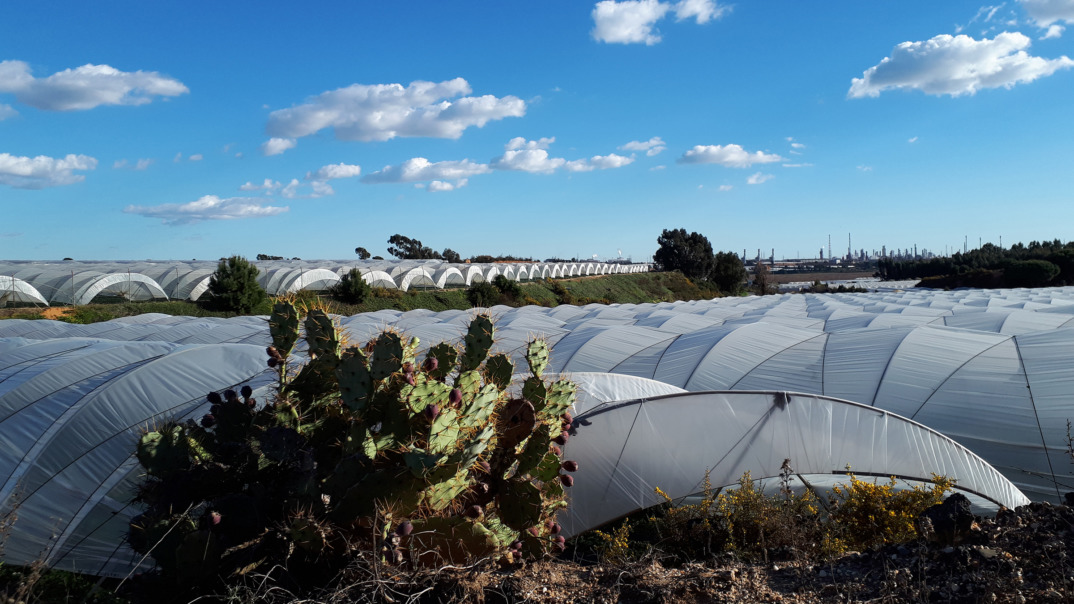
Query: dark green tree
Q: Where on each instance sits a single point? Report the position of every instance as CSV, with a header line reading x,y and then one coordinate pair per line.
x,y
352,288
405,248
482,293
363,254
508,287
728,272
451,255
234,287
690,254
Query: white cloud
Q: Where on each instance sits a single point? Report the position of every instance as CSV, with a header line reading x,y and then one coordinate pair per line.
x,y
382,112
419,169
633,21
318,188
628,22
956,65
196,157
912,139
521,143
651,147
439,186
208,207
759,178
702,11
797,146
340,170
1054,31
7,111
865,168
139,165
528,156
42,171
85,87
276,146
801,165
1046,12
732,156
178,157
599,162
269,186
726,187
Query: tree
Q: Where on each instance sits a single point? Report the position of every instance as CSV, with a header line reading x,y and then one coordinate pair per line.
x,y
728,272
508,287
760,278
451,255
482,293
351,288
690,254
363,254
405,248
234,287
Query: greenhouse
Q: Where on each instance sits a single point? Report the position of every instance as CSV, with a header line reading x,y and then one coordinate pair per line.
x,y
73,282
974,384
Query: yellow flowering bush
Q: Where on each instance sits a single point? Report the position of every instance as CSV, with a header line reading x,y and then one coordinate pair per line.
x,y
870,514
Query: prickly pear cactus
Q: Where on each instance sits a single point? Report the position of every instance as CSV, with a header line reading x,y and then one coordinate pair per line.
x,y
432,455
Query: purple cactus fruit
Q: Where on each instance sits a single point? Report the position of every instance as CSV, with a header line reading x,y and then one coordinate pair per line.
x,y
517,545
559,547
473,511
431,411
536,532
455,397
556,450
272,361
410,378
408,367
214,398
567,418
560,539
567,480
272,352
208,421
562,439
215,518
556,528
404,528
548,523
246,391
230,395
430,364
569,466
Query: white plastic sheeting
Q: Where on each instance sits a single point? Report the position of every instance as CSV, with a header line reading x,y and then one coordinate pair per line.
x,y
71,411
626,450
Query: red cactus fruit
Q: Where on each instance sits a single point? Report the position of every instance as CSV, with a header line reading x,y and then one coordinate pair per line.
x,y
567,480
410,378
562,439
516,545
560,539
473,511
272,362
567,417
408,367
569,466
431,411
272,352
559,547
536,532
430,364
556,450
455,397
404,528
215,518
556,528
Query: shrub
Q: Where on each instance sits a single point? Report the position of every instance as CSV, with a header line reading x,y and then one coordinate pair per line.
x,y
508,287
387,293
352,288
482,293
366,456
870,514
234,287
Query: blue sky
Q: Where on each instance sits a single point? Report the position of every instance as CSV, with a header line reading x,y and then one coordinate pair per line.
x,y
167,130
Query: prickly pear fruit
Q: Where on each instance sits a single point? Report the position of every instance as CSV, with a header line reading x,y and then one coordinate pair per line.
x,y
569,466
555,449
560,539
567,480
455,398
473,511
430,364
404,528
410,379
431,411
272,362
555,528
562,439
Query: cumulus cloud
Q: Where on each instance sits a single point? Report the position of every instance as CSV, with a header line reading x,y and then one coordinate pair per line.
x,y
208,207
599,162
800,165
43,171
912,139
340,170
7,111
1047,12
732,156
297,189
758,178
864,168
725,187
419,169
956,65
528,156
651,147
439,186
634,21
1054,31
197,157
85,87
382,112
269,186
276,146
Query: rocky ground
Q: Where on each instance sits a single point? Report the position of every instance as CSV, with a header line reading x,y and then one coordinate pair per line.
x,y
1023,555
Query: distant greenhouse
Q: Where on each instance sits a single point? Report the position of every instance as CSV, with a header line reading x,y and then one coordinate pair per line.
x,y
80,282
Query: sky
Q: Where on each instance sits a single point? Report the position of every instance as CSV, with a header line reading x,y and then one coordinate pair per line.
x,y
564,128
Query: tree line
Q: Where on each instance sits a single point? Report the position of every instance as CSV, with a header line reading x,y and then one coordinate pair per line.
x,y
691,254
1038,264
